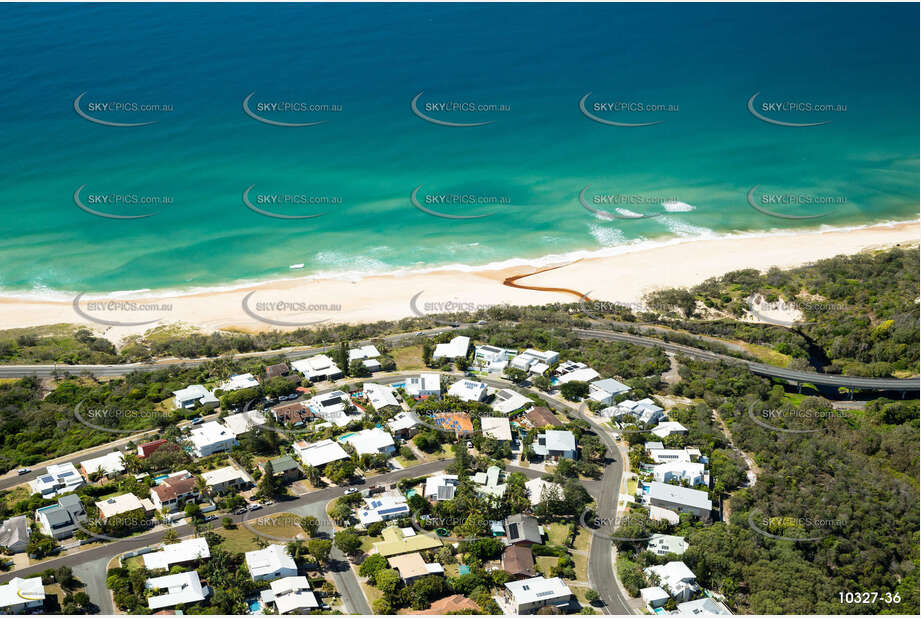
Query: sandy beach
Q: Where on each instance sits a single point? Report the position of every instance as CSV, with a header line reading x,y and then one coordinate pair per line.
x,y
623,278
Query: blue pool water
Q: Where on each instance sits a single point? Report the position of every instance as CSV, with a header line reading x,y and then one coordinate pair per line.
x,y
463,569
346,436
161,478
255,606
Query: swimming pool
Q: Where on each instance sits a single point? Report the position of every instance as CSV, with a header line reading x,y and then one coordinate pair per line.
x,y
159,479
411,493
346,436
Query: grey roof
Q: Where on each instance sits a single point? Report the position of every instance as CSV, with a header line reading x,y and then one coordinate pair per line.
x,y
679,495
446,492
72,504
14,530
610,385
557,440
520,527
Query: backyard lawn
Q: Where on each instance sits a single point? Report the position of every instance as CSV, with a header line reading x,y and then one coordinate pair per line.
x,y
281,526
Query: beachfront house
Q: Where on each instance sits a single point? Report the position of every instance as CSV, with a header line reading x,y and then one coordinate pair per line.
x,y
643,412
318,368
238,382
193,396
58,479
210,438
423,386
468,390
334,407
669,428
604,391
572,371
492,358
456,348
244,422
120,506
706,606
675,578
270,563
368,355
527,596
149,448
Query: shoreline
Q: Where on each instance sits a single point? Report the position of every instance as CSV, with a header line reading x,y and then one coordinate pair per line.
x,y
311,301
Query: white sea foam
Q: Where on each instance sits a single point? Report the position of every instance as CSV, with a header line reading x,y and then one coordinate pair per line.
x,y
676,206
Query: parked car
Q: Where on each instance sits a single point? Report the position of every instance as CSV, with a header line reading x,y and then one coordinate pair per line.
x,y
240,511
198,420
351,490
22,471
255,507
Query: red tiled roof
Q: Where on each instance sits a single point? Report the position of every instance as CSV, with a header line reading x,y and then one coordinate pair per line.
x,y
518,560
542,416
174,487
453,603
145,450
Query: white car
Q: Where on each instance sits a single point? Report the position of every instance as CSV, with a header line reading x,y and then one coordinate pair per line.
x,y
351,490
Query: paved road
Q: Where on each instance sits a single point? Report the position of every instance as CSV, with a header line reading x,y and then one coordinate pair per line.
x,y
885,384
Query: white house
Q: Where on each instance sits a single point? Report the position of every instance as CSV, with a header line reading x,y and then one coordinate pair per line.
x,y
707,606
676,578
120,505
383,508
61,520
290,594
244,421
317,368
58,479
403,425
110,464
381,396
334,407
238,382
555,443
663,455
508,401
456,348
668,428
22,595
318,454
645,411
604,391
663,544
692,472
189,550
654,596
365,351
180,588
193,395
529,595
270,563
424,385
211,437
535,361
572,371
440,487
468,390
486,354
489,482
539,488
371,441
497,427
680,499
225,479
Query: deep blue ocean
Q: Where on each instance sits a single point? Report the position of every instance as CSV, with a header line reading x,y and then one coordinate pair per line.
x,y
523,68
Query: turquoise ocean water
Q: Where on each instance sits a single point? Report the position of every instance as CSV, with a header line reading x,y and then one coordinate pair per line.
x,y
698,65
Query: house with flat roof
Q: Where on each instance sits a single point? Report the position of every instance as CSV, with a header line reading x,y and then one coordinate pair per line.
x,y
413,566
668,428
535,361
175,589
210,438
457,422
189,550
521,529
664,544
149,448
468,390
317,368
666,455
382,396
527,596
225,479
365,351
109,465
486,354
285,467
604,391
573,371
706,606
680,499
244,422
20,595
518,561
334,407
423,386
456,348
122,505
555,443
654,596
675,578
541,416
403,541
318,454
440,487
693,473
290,595
58,479
175,492
508,401
238,382
404,425
61,520
194,395
383,508
270,563
371,441
15,533
496,427
644,412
